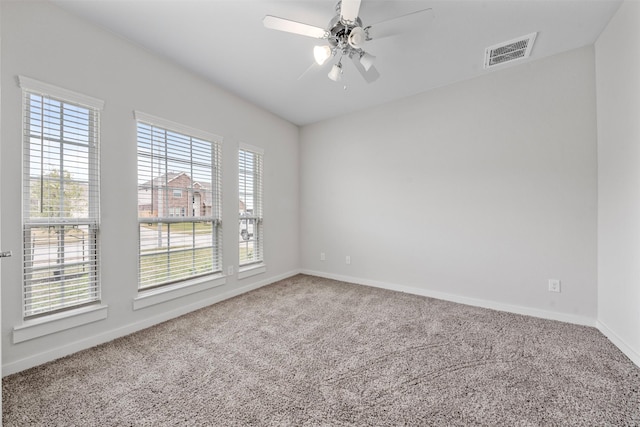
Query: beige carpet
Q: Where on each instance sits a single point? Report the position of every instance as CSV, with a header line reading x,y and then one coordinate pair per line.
x,y
308,351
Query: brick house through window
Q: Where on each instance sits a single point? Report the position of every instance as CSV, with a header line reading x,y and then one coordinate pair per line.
x,y
174,194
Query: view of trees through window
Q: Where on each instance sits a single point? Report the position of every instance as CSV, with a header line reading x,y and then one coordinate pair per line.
x,y
61,205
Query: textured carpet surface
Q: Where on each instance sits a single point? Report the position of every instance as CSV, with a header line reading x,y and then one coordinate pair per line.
x,y
311,351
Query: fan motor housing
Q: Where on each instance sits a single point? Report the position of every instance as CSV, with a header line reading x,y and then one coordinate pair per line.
x,y
339,32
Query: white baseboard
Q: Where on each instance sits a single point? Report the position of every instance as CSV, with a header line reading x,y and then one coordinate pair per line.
x,y
619,342
65,350
476,302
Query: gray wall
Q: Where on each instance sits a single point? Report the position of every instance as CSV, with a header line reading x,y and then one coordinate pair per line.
x,y
618,88
477,192
46,43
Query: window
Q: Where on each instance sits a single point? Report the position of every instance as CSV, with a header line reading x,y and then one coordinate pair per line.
x,y
250,192
61,193
178,202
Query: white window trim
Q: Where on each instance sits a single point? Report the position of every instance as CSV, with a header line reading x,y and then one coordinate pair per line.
x,y
47,89
50,324
149,297
251,270
177,127
247,147
71,318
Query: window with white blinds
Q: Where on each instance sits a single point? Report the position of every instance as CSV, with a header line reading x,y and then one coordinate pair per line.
x,y
61,194
250,193
179,225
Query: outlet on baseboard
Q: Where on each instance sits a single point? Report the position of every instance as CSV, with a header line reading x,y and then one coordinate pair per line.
x,y
554,285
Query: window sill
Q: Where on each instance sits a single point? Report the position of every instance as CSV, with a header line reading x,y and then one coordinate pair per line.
x,y
251,270
46,325
171,292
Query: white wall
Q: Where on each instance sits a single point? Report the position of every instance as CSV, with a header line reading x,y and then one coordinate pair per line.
x,y
477,192
44,42
618,88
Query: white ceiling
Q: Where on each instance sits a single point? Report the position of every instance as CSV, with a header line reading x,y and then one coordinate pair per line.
x,y
225,42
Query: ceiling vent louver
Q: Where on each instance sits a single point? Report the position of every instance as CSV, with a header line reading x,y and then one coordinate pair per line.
x,y
510,51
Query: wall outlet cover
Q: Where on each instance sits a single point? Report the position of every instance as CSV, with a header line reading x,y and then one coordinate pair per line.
x,y
554,285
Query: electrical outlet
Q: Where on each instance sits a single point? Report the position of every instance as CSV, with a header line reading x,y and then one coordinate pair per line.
x,y
554,285
322,256
348,260
230,270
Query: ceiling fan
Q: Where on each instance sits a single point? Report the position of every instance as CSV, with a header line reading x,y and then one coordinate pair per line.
x,y
347,36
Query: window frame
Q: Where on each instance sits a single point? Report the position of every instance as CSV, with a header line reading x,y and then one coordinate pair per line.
x,y
257,264
179,215
69,101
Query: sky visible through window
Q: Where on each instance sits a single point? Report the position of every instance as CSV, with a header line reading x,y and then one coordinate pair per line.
x,y
162,151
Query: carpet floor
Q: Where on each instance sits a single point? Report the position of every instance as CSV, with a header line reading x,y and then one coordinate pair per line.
x,y
308,351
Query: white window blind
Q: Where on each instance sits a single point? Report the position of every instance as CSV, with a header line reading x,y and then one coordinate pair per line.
x,y
250,193
180,231
61,194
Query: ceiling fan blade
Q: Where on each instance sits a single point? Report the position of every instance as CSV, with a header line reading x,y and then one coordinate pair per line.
x,y
289,26
413,21
349,10
371,75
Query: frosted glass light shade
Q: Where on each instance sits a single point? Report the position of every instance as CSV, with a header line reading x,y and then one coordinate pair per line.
x,y
357,38
336,73
321,54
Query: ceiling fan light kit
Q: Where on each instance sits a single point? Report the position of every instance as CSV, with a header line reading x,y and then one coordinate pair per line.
x,y
347,36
